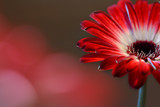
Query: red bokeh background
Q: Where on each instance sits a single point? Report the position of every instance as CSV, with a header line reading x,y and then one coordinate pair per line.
x,y
39,64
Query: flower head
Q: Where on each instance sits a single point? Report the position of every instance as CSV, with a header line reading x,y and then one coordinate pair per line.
x,y
127,40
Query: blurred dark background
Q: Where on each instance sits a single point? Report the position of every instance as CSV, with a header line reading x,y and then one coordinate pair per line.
x,y
60,21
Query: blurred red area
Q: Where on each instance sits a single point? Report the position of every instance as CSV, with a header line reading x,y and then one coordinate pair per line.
x,y
64,82
16,90
31,76
22,47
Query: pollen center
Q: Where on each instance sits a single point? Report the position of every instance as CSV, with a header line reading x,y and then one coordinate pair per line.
x,y
144,49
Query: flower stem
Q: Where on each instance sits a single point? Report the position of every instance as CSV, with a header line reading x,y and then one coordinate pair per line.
x,y
142,96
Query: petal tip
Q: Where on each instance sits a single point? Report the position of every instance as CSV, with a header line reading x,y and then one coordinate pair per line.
x,y
100,68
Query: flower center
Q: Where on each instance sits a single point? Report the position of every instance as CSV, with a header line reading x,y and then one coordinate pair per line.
x,y
144,49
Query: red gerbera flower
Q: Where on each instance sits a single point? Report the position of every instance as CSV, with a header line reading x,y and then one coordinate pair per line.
x,y
127,40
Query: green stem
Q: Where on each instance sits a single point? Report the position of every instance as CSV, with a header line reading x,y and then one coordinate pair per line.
x,y
142,96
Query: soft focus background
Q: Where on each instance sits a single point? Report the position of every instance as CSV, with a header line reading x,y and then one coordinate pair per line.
x,y
59,79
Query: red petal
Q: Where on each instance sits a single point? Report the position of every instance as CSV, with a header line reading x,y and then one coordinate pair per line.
x,y
109,51
92,44
156,74
87,23
137,73
120,17
90,24
102,35
141,65
122,3
106,21
120,69
150,6
90,48
93,41
108,63
136,79
94,48
93,58
144,67
154,16
82,41
132,15
142,11
132,65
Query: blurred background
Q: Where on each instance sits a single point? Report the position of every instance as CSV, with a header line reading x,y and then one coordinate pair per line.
x,y
60,79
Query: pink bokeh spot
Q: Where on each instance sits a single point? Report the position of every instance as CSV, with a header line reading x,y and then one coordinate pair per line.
x,y
23,47
57,73
16,90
